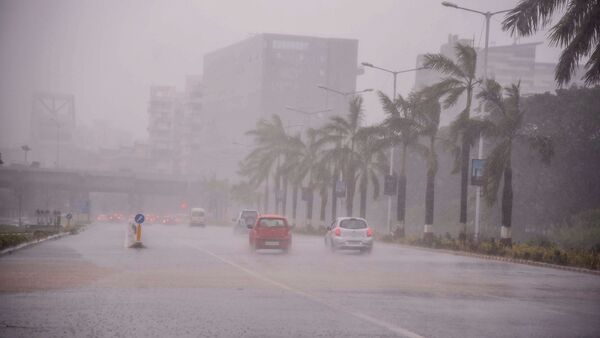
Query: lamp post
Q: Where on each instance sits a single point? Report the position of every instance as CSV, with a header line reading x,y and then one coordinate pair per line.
x,y
345,95
57,140
26,149
395,74
488,15
308,114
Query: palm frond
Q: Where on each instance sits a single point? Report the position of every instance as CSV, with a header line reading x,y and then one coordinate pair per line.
x,y
444,65
530,15
466,59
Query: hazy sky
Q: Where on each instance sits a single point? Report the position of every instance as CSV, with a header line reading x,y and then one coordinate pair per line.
x,y
108,53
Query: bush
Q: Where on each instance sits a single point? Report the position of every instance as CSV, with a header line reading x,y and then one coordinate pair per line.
x,y
582,231
10,240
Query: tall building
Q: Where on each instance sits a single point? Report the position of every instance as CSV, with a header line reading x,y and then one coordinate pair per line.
x,y
264,74
506,64
164,112
175,127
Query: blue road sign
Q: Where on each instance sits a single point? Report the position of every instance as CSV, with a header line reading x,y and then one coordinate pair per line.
x,y
139,218
69,216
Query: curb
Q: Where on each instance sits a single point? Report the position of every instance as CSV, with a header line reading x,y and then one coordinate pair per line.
x,y
505,259
495,258
9,251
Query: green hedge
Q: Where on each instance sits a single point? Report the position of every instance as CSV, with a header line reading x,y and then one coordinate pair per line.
x,y
10,240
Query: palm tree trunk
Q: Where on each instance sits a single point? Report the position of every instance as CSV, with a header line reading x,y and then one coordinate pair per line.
x,y
309,209
334,196
323,205
430,194
266,194
401,206
429,205
351,189
294,203
507,201
277,178
363,196
285,192
464,172
464,184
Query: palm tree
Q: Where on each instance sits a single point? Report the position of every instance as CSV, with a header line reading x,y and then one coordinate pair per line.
x,y
428,118
576,32
272,143
340,133
459,79
400,128
371,163
505,124
306,166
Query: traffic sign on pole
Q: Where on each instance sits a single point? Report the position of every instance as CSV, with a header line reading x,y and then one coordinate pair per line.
x,y
139,218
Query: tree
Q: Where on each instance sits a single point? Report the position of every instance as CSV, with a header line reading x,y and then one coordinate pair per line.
x,y
400,128
272,143
371,163
576,32
427,115
340,133
505,125
306,166
459,80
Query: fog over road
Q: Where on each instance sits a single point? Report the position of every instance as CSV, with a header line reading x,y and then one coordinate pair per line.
x,y
206,282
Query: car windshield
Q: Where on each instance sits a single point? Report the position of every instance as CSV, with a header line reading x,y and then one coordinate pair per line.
x,y
271,223
249,213
353,224
197,213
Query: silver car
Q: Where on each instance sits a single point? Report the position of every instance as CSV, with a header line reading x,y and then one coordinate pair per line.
x,y
349,233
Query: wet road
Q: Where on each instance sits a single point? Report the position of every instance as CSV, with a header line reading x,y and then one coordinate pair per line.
x,y
204,282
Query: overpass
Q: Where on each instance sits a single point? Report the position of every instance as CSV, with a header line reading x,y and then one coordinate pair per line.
x,y
27,182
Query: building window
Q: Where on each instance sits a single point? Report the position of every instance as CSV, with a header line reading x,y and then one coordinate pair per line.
x,y
289,45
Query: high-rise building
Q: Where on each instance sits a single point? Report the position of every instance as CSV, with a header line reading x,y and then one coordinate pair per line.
x,y
175,127
264,74
165,112
506,64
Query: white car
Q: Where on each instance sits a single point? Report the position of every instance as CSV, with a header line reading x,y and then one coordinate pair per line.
x,y
351,233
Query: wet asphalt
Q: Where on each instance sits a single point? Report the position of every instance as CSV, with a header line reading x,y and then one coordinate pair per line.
x,y
205,282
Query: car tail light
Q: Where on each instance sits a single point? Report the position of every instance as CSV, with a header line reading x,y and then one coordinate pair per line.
x,y
338,232
369,232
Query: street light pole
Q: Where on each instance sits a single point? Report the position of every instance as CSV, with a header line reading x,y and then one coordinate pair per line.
x,y
392,149
488,15
26,149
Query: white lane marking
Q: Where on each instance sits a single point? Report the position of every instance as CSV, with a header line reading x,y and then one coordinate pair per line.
x,y
396,329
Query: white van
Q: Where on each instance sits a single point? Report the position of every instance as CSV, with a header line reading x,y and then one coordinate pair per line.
x,y
197,217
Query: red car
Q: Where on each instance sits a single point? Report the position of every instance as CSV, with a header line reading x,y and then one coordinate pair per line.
x,y
270,232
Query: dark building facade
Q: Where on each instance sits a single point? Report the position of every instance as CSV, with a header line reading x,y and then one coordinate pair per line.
x,y
262,75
